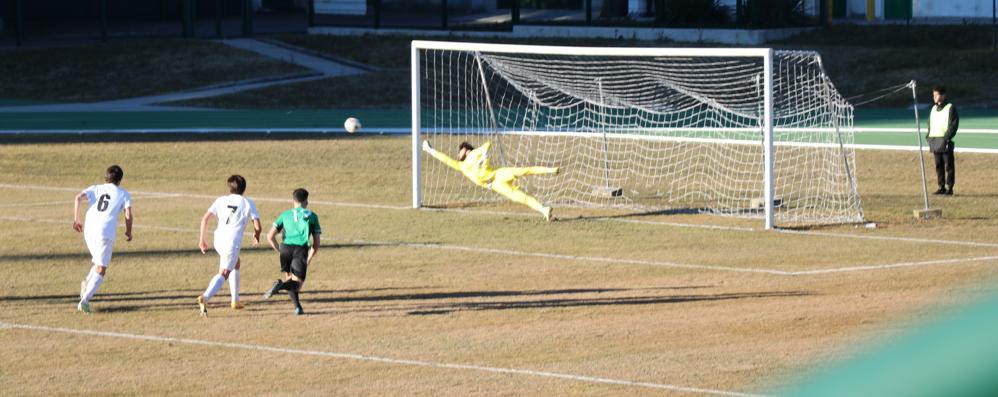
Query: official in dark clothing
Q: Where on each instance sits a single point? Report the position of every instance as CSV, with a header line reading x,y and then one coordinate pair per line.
x,y
943,123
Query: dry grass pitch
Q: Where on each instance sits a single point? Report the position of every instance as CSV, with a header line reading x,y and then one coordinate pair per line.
x,y
406,302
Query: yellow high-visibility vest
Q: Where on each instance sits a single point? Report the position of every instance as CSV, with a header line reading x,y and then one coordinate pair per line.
x,y
939,121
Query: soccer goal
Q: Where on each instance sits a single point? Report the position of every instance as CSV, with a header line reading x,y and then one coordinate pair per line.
x,y
742,132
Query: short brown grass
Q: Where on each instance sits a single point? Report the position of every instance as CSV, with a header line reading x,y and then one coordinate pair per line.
x,y
370,294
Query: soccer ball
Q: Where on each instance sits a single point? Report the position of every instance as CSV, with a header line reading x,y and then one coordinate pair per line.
x,y
352,125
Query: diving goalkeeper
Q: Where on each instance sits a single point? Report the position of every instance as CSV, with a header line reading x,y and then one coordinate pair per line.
x,y
474,164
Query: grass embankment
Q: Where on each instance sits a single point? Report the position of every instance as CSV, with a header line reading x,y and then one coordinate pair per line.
x,y
859,59
127,68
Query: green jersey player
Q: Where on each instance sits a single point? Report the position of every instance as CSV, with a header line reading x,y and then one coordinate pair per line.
x,y
298,224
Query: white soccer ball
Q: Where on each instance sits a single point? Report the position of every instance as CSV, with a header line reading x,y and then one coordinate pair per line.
x,y
352,125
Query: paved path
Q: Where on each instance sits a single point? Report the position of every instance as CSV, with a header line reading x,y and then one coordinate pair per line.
x,y
321,65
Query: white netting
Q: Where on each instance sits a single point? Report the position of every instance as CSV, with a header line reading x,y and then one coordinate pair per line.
x,y
670,132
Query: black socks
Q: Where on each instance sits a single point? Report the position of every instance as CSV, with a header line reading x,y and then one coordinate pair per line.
x,y
292,287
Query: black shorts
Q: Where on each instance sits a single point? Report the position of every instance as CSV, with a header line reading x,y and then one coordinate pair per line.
x,y
294,260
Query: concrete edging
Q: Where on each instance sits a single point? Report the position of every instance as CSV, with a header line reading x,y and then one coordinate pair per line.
x,y
717,36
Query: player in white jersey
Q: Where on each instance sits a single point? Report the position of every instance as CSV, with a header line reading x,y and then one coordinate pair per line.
x,y
233,212
104,202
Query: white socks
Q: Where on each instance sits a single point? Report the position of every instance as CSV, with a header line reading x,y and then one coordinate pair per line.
x,y
216,284
234,285
93,281
213,286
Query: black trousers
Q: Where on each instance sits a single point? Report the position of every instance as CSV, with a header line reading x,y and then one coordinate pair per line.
x,y
945,167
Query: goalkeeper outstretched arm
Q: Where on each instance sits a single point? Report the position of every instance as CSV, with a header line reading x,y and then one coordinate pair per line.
x,y
443,157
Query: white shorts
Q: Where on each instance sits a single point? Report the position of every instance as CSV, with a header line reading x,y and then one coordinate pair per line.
x,y
100,249
227,257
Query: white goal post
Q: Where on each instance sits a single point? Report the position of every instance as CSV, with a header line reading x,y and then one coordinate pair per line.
x,y
745,132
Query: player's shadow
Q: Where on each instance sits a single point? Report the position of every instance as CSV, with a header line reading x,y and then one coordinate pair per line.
x,y
479,300
469,294
589,302
665,212
108,297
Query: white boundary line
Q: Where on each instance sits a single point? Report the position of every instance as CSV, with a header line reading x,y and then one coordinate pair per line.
x,y
985,131
42,204
594,259
896,265
602,219
599,219
377,359
206,196
892,238
481,250
405,131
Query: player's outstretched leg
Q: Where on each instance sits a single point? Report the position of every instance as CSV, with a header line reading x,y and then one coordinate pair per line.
x,y
234,288
524,171
518,196
87,290
273,289
293,287
213,286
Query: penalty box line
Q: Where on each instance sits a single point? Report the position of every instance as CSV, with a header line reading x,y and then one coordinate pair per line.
x,y
916,240
376,359
595,259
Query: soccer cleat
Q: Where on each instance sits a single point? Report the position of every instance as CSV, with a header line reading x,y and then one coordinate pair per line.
x,y
940,191
202,305
299,311
547,213
273,289
949,192
238,305
83,307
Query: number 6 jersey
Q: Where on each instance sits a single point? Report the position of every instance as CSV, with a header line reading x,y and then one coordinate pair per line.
x,y
105,203
233,211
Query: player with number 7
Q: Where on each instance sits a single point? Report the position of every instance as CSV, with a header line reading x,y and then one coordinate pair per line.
x,y
232,211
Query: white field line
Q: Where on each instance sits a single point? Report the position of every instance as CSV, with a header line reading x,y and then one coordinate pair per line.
x,y
896,265
594,259
984,131
377,359
70,202
481,250
408,130
206,196
600,219
892,238
43,204
502,213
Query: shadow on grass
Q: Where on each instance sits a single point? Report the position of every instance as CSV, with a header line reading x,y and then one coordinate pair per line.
x,y
475,294
665,212
450,307
585,302
117,296
84,257
318,302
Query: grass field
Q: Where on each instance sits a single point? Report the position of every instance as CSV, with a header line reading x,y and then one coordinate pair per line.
x,y
486,301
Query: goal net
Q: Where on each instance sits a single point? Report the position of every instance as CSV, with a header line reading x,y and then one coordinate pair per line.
x,y
735,132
